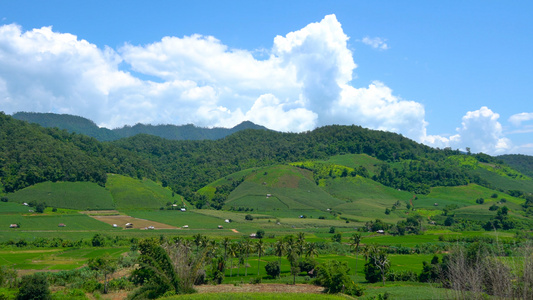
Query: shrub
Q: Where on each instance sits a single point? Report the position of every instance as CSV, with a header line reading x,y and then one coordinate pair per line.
x,y
333,276
260,233
307,264
34,286
332,229
273,269
248,217
4,199
336,237
480,200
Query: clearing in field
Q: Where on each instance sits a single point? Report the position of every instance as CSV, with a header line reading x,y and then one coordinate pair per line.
x,y
122,220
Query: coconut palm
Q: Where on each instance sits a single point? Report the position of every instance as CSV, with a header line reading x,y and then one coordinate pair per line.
x,y
232,251
246,248
311,250
225,243
355,239
279,250
260,247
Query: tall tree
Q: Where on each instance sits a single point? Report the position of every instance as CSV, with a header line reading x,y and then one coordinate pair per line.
x,y
355,239
260,247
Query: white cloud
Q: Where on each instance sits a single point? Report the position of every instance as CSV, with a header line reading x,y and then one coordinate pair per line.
x,y
517,119
376,43
480,131
304,81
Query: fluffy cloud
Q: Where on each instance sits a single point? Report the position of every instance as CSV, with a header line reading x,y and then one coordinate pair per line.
x,y
481,131
305,81
376,43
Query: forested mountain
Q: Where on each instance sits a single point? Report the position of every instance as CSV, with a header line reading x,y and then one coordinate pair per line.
x,y
172,132
70,123
31,154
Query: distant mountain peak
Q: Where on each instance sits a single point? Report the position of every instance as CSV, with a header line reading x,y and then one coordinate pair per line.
x,y
87,127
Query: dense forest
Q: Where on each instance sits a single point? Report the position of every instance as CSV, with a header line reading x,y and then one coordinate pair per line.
x,y
31,154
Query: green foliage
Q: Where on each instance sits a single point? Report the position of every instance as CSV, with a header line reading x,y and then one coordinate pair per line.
x,y
273,268
8,276
34,287
260,233
248,217
377,266
337,237
333,276
156,273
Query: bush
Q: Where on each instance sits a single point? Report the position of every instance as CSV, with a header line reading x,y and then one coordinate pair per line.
x,y
260,234
307,264
248,217
480,200
34,286
273,269
4,199
332,229
333,276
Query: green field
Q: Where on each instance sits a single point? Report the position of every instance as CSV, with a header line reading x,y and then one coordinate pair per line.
x,y
129,193
55,258
50,222
74,195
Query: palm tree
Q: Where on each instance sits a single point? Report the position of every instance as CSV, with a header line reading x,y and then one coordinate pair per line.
x,y
225,243
279,250
246,247
311,250
197,239
232,251
300,242
355,239
260,246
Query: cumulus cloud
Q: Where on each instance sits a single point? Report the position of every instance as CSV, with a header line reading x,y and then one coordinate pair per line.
x,y
480,130
376,43
304,81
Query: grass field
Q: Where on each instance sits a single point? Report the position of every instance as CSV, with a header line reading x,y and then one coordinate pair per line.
x,y
74,195
129,193
50,222
54,259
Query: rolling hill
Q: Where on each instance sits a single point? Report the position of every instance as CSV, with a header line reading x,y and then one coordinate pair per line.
x,y
335,172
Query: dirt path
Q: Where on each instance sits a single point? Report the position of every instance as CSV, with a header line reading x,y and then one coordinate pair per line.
x,y
260,288
235,230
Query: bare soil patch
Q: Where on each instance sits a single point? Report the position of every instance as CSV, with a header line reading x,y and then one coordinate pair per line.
x,y
260,288
121,221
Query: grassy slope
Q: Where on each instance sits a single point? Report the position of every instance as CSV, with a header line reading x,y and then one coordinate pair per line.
x,y
366,198
290,187
129,193
74,195
356,160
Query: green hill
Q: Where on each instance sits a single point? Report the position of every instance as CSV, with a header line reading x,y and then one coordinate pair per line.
x,y
279,188
73,195
129,193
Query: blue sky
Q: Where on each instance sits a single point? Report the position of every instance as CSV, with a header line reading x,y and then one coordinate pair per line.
x,y
445,73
